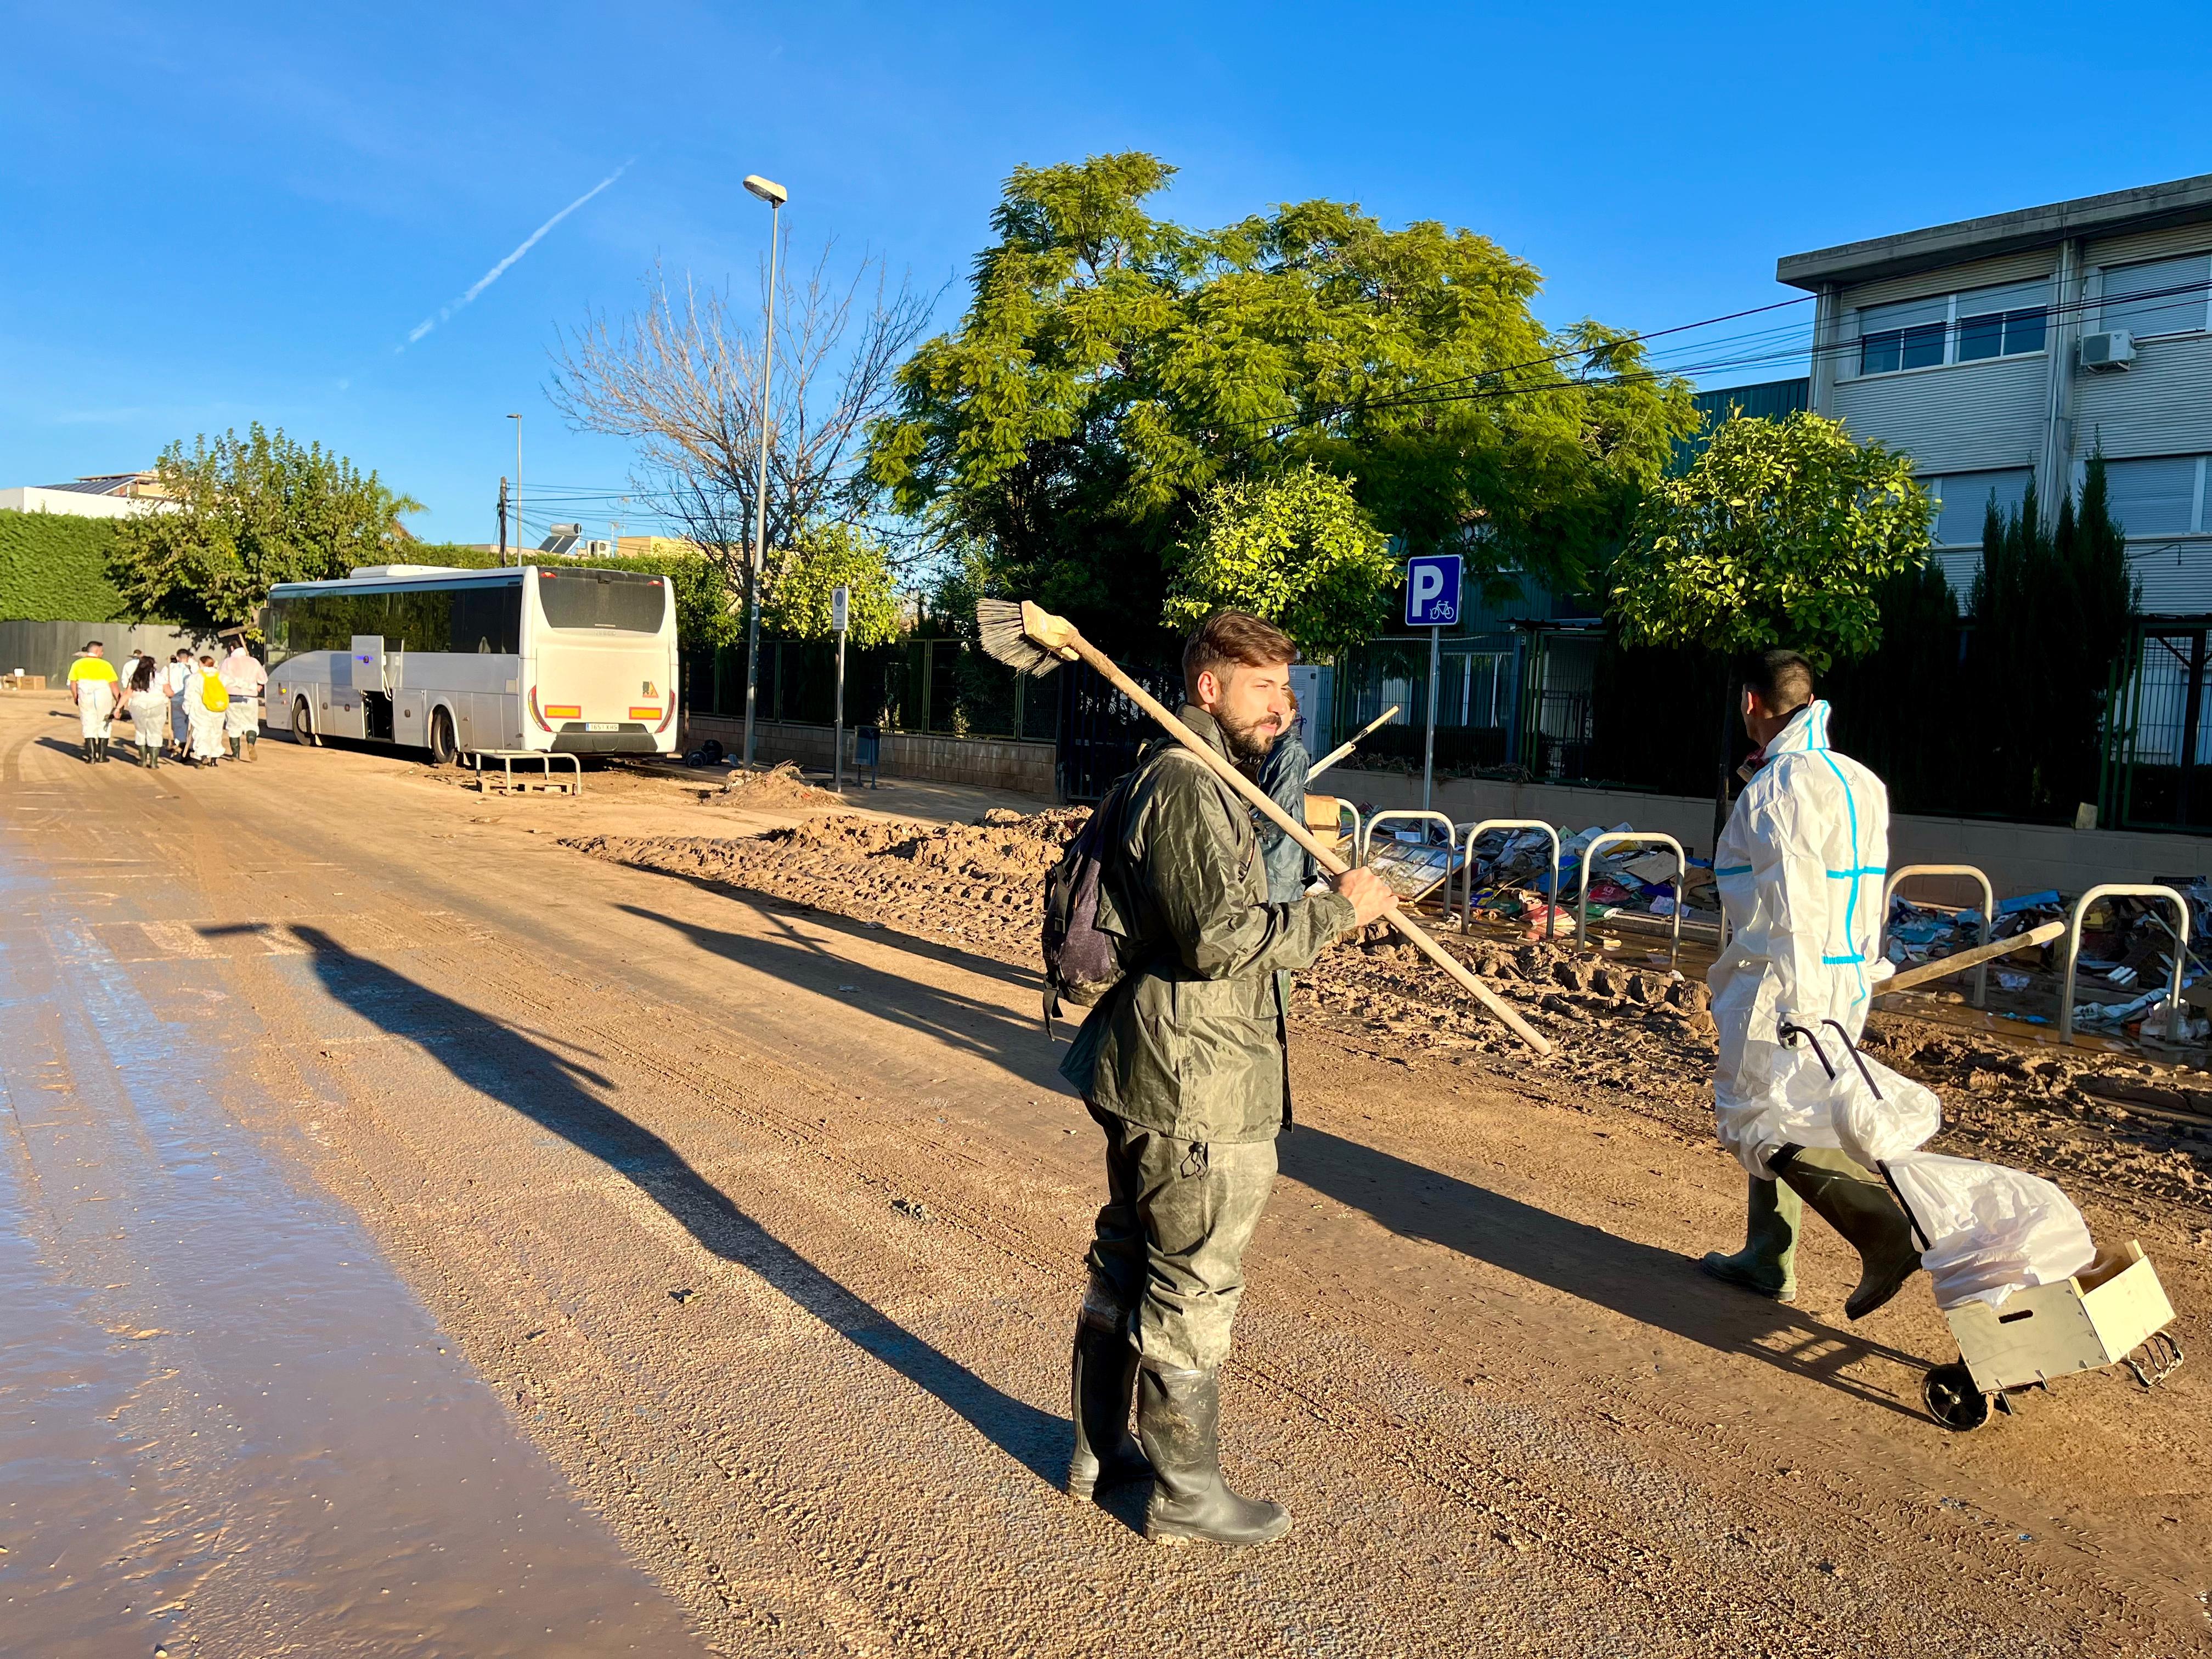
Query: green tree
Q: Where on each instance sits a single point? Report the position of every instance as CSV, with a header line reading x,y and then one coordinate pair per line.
x,y
249,512
1782,532
2052,605
1296,550
1779,533
1114,368
828,556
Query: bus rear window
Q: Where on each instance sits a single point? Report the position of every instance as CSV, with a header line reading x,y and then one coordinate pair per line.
x,y
620,600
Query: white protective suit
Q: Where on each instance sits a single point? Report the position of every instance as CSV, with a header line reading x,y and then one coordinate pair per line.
x,y
1799,868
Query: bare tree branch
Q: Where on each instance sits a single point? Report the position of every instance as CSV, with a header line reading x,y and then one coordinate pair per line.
x,y
680,378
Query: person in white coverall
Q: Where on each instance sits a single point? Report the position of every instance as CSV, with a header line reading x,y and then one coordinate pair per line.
x,y
1800,869
244,677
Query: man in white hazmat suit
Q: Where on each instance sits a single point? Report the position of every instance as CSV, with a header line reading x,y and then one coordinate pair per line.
x,y
243,678
1799,868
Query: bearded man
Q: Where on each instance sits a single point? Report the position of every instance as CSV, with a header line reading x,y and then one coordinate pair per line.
x,y
1183,1065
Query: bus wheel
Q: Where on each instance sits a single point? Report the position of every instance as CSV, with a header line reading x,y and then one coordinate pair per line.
x,y
443,752
303,725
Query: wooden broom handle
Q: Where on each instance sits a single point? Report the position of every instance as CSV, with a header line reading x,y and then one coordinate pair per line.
x,y
1299,833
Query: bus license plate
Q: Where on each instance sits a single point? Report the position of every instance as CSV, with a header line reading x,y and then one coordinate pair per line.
x,y
602,726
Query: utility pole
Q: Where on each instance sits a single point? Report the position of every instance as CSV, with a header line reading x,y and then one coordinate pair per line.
x,y
502,523
517,419
775,196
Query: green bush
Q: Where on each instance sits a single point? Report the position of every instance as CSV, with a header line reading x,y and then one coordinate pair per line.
x,y
53,568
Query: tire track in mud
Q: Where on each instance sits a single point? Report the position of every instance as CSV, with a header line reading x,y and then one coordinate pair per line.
x,y
1423,1457
965,1192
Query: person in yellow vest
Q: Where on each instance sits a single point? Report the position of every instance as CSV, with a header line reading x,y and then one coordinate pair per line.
x,y
244,677
206,704
92,684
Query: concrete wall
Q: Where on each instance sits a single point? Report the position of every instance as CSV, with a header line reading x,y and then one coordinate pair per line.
x,y
48,647
75,503
2020,858
991,763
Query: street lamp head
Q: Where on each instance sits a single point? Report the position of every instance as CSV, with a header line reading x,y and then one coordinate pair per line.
x,y
766,189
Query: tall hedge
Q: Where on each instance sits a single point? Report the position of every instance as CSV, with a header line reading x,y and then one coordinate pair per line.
x,y
53,568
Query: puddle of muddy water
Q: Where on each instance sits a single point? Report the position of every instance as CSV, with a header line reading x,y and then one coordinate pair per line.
x,y
225,1426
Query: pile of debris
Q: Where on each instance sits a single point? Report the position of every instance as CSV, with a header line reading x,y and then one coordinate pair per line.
x,y
1513,879
1631,1030
2123,975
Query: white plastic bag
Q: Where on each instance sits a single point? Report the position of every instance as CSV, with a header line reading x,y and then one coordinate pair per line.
x,y
1821,1091
1990,1231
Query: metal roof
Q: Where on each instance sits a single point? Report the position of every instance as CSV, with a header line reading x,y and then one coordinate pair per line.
x,y
2146,207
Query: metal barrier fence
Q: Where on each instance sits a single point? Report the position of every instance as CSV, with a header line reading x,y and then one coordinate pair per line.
x,y
1632,838
1552,901
1989,913
2122,890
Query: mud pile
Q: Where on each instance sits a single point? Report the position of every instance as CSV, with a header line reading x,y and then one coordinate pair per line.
x,y
1628,1032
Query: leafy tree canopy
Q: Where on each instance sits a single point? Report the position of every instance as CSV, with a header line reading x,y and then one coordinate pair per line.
x,y
1296,550
828,556
249,512
1114,368
1779,534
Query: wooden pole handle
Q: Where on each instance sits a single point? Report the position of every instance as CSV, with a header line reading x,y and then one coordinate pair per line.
x,y
1299,833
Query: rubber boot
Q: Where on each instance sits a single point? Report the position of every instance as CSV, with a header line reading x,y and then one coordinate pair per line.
x,y
253,747
1102,1387
1859,1206
1178,1424
1767,1264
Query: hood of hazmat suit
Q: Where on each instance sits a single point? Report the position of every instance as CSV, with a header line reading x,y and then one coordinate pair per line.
x,y
1799,868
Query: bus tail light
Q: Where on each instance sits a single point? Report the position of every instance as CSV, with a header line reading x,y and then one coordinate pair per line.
x,y
534,714
669,716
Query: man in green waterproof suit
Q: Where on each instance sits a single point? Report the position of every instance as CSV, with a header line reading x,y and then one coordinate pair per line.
x,y
1184,1067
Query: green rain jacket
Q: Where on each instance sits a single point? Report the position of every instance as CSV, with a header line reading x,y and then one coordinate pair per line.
x,y
1192,1043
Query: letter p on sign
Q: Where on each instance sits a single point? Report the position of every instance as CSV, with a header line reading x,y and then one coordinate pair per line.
x,y
1432,588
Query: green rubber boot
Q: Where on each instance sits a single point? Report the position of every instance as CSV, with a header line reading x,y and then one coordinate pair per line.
x,y
1860,1205
1767,1264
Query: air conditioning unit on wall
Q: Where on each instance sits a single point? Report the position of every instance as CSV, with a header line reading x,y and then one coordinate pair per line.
x,y
2113,348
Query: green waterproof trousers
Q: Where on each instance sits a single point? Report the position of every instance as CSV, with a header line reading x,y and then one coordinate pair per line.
x,y
1167,1256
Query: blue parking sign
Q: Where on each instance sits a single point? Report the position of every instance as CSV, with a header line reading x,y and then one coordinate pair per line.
x,y
1432,591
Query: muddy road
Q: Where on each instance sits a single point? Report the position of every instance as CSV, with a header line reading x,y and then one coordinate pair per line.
x,y
605,1256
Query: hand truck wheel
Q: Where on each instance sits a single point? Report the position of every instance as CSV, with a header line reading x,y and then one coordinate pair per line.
x,y
1952,1399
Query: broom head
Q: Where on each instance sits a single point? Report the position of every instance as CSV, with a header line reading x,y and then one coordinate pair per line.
x,y
1025,637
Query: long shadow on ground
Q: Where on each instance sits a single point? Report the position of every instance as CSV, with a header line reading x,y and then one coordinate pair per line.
x,y
500,1063
1641,1282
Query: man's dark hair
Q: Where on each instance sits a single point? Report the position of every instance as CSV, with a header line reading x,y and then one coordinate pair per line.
x,y
94,644
1234,636
1783,680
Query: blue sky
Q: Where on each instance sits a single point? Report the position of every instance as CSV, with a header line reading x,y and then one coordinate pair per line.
x,y
227,213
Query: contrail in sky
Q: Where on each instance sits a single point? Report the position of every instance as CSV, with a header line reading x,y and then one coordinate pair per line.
x,y
499,270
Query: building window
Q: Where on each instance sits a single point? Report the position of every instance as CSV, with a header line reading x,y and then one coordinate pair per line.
x,y
2164,296
1954,328
1962,502
1892,348
2159,495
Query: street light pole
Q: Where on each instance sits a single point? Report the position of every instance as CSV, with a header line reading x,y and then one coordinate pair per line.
x,y
775,196
517,419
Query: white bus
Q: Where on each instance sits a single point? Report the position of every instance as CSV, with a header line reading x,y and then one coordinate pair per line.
x,y
573,662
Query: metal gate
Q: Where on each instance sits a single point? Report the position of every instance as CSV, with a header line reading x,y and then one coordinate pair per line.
x,y
1100,731
2159,735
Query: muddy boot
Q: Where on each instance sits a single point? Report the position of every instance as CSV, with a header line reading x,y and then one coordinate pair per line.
x,y
1178,1423
1861,1207
1767,1264
253,747
1103,1383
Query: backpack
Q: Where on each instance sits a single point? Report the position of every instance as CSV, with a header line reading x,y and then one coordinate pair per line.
x,y
1082,961
215,697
